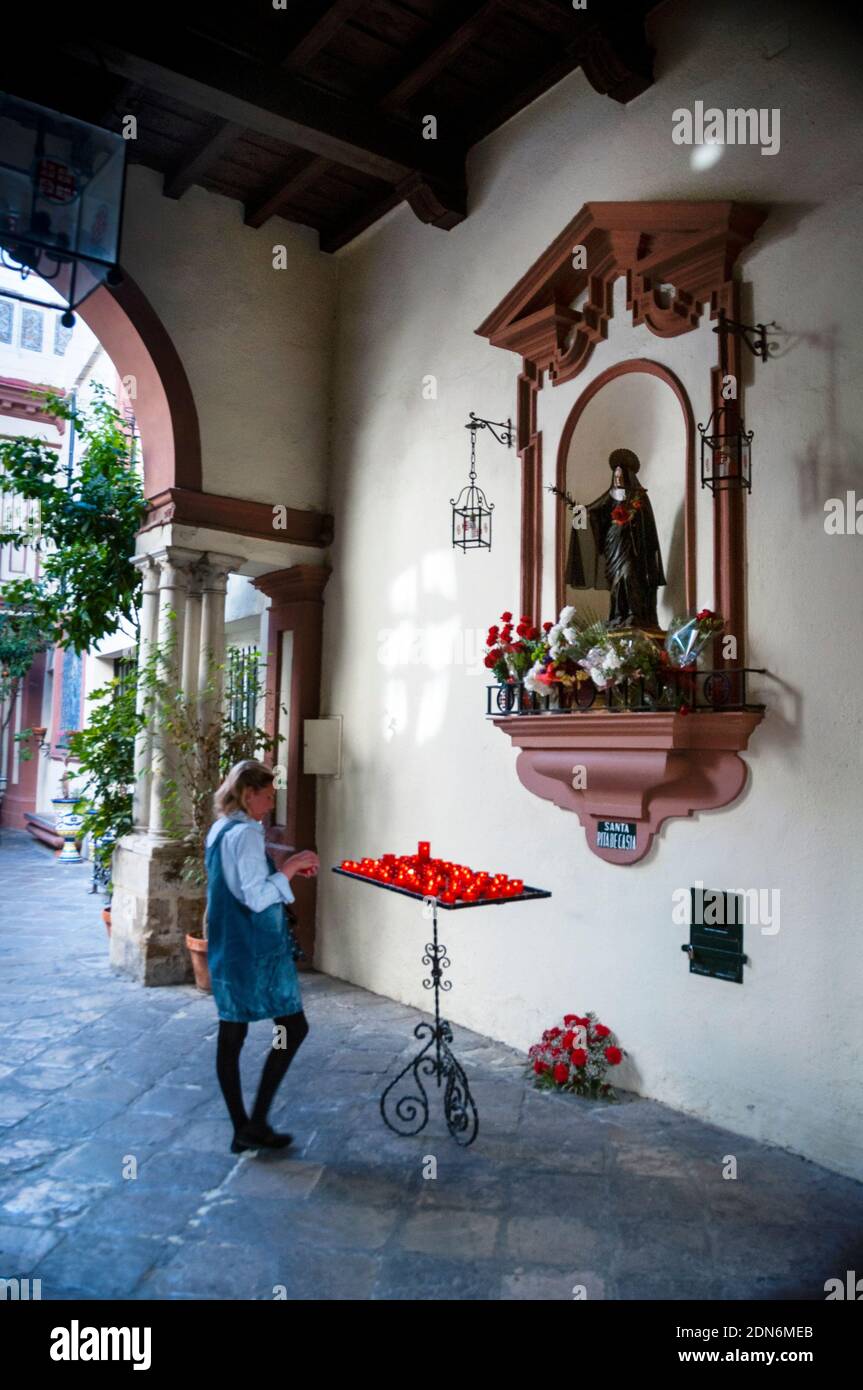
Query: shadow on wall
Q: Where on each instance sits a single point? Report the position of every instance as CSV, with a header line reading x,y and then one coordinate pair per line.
x,y
832,462
783,728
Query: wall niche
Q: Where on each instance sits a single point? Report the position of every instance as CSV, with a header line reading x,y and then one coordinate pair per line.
x,y
624,772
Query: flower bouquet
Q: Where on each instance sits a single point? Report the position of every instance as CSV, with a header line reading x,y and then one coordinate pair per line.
x,y
575,1056
687,637
684,645
617,659
510,659
557,667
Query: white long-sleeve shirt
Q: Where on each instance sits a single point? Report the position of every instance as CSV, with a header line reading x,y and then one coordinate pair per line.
x,y
244,864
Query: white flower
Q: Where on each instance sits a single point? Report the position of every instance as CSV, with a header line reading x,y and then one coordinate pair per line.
x,y
530,681
611,661
566,616
598,677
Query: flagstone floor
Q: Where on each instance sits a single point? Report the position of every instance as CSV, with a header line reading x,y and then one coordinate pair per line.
x,y
556,1198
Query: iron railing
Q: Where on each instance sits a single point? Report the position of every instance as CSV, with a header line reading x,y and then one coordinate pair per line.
x,y
692,691
242,686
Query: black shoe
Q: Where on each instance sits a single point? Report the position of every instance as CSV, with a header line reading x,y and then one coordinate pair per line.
x,y
253,1136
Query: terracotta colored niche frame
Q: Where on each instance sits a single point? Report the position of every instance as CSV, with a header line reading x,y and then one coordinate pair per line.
x,y
640,769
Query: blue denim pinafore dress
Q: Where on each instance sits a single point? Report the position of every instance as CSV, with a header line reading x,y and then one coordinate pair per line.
x,y
251,962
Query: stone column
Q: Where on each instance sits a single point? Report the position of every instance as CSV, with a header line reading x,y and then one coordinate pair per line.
x,y
192,638
174,566
144,740
152,907
211,648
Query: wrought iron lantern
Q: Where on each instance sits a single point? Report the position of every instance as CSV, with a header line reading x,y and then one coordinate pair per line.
x,y
471,510
726,454
61,203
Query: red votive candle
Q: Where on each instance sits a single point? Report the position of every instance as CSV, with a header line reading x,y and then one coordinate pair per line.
x,y
423,849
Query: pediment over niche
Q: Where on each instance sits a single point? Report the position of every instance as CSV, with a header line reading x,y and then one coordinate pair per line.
x,y
675,256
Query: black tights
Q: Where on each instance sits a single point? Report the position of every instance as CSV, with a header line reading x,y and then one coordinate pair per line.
x,y
230,1045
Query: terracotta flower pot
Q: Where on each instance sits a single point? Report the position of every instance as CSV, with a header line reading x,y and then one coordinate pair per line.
x,y
198,951
106,918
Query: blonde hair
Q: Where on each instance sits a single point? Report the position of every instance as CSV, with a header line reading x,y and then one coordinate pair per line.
x,y
243,775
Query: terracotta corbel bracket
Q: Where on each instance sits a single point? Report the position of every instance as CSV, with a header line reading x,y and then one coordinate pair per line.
x,y
642,769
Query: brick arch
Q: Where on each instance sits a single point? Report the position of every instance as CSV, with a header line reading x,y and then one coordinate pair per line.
x,y
134,337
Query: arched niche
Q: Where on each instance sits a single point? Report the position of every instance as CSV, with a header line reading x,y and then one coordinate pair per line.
x,y
642,406
139,346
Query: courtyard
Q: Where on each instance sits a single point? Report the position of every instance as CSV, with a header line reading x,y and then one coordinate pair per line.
x,y
557,1199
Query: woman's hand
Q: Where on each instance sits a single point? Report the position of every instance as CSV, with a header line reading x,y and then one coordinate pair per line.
x,y
304,862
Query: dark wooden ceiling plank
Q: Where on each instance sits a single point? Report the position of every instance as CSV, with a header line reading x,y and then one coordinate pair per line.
x,y
319,35
282,190
438,202
333,238
535,87
393,24
261,99
203,155
545,15
442,53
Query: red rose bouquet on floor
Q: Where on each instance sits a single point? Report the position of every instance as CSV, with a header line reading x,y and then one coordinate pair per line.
x,y
575,1056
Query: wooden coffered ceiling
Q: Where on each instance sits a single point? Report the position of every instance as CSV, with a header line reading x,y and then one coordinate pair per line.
x,y
314,111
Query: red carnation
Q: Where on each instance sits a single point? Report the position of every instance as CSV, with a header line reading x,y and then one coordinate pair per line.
x,y
491,659
493,632
540,1067
554,1032
619,515
561,1073
570,1018
523,630
546,627
705,613
507,617
568,1038
581,1022
578,1056
614,1055
600,1031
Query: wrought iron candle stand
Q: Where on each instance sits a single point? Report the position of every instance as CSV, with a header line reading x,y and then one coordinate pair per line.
x,y
435,1058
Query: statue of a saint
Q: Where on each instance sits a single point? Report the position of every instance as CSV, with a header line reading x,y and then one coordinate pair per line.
x,y
619,548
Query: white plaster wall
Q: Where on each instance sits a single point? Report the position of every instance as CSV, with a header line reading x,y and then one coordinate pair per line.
x,y
255,341
779,1058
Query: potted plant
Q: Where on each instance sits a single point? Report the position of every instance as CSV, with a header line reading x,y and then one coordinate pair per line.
x,y
105,750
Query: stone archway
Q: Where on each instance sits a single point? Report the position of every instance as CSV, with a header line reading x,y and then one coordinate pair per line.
x,y
138,344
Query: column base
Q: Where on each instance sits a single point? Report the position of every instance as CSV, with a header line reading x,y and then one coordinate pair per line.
x,y
151,912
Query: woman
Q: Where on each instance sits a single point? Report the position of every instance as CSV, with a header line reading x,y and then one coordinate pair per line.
x,y
249,946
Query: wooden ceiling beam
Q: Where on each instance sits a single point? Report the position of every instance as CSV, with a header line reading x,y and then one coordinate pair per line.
x,y
283,190
215,140
264,100
438,202
325,27
439,55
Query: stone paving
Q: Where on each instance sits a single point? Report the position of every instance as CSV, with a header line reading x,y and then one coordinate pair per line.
x,y
627,1201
